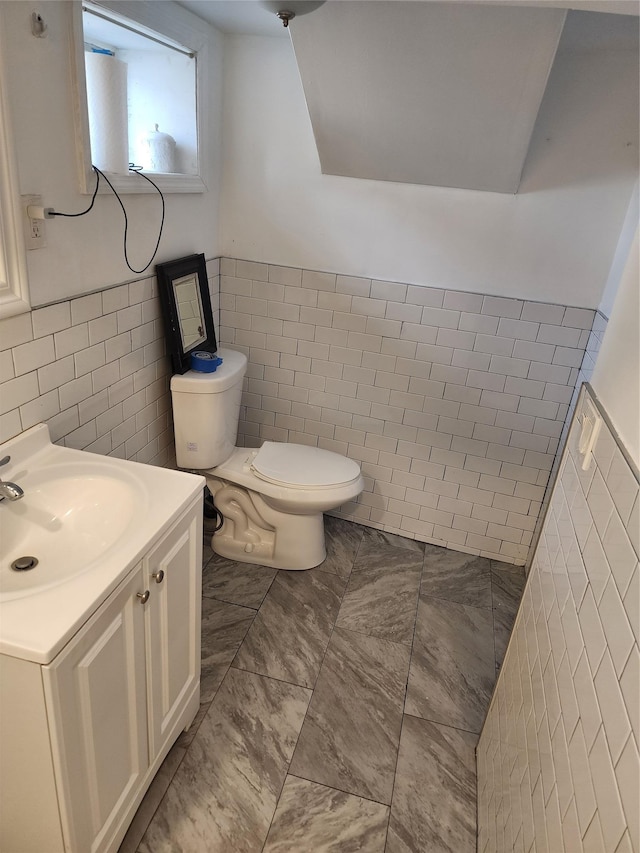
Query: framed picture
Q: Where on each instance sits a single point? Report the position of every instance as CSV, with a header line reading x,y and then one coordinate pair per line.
x,y
186,305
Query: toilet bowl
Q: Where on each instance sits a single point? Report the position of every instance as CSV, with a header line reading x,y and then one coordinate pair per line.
x,y
272,499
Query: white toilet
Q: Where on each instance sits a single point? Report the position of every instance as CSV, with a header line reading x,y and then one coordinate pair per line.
x,y
271,499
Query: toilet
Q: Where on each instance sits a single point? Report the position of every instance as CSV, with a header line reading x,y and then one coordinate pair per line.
x,y
272,499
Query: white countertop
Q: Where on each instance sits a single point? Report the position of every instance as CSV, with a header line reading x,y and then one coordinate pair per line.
x,y
36,625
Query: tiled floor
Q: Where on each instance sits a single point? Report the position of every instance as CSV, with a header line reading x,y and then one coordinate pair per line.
x,y
340,706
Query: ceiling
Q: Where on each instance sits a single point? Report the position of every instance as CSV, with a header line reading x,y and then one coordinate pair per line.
x,y
256,17
434,92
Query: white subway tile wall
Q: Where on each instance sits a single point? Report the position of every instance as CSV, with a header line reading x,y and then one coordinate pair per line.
x,y
95,370
558,761
452,402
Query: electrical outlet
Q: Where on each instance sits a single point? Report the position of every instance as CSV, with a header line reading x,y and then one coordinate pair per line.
x,y
34,231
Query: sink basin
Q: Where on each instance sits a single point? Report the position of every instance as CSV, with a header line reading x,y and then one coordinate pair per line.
x,y
88,520
70,516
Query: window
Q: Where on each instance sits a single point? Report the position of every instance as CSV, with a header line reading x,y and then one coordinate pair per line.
x,y
140,87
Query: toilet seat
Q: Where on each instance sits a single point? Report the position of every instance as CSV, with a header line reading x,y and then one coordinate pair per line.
x,y
301,466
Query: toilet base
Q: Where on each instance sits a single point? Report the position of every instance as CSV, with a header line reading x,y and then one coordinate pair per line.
x,y
255,532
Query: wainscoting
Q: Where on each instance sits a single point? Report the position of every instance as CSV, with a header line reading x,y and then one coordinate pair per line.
x,y
453,402
558,765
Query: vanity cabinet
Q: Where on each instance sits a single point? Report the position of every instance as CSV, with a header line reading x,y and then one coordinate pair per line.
x,y
114,700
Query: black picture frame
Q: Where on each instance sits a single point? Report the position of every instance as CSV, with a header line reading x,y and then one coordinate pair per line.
x,y
186,275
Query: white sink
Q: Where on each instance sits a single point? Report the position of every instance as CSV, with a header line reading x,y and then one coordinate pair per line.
x,y
70,517
88,520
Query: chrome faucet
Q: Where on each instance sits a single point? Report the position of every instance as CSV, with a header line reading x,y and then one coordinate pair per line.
x,y
9,490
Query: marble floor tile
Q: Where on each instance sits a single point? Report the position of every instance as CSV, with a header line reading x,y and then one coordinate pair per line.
x,y
507,585
455,576
151,800
224,627
312,817
453,666
382,595
434,798
342,539
237,583
224,794
291,630
376,541
350,736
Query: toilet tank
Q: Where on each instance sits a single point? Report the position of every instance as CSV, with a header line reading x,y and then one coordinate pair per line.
x,y
206,408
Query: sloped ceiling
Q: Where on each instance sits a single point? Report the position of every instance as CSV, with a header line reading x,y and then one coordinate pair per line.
x,y
426,93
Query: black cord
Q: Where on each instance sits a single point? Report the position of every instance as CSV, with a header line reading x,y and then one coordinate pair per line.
x,y
137,171
93,198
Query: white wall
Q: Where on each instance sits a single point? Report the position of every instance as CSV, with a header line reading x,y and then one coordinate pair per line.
x,y
85,254
553,241
616,378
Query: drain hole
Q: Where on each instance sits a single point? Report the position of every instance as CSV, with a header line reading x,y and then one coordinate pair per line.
x,y
23,564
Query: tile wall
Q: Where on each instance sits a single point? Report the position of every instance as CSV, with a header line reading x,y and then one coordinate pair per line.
x,y
95,370
453,402
558,762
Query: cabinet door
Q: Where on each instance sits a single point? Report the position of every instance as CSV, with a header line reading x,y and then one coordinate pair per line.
x,y
174,578
96,703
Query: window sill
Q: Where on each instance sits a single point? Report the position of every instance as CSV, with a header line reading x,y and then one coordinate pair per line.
x,y
133,184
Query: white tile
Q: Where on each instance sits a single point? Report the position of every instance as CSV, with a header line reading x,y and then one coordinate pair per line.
x,y
622,485
549,372
18,391
571,835
368,307
459,301
595,561
353,285
108,375
284,275
478,323
568,356
612,820
75,391
612,707
128,318
427,296
582,781
40,410
146,288
631,603
633,528
509,366
593,842
51,319
499,306
86,308
627,771
591,626
626,845
92,407
534,351
604,450
118,346
558,335
63,424
55,374
619,636
620,553
115,299
71,340
30,356
15,331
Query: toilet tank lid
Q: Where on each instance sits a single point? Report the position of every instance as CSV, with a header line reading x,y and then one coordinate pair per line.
x,y
301,465
228,374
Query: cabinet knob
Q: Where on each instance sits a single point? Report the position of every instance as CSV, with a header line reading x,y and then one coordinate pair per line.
x,y
158,576
143,596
